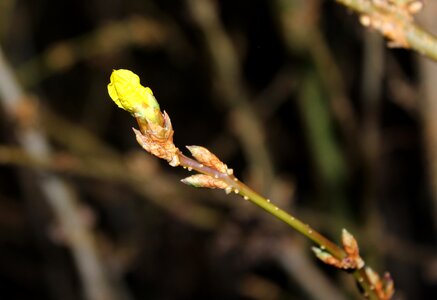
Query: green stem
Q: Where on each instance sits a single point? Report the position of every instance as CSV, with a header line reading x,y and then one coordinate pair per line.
x,y
364,282
422,41
417,38
295,223
240,188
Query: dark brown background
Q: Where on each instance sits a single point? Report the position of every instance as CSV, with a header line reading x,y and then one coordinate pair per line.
x,y
307,106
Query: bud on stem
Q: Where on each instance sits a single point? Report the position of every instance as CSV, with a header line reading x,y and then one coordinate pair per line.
x,y
127,92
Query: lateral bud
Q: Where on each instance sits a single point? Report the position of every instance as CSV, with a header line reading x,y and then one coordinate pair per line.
x,y
388,286
205,157
326,257
352,260
350,246
205,181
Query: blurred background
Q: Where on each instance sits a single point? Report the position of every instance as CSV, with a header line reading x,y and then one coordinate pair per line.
x,y
307,107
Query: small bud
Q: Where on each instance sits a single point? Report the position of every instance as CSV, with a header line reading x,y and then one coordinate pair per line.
x,y
349,243
208,159
389,288
127,92
160,147
350,246
201,180
388,285
384,288
326,257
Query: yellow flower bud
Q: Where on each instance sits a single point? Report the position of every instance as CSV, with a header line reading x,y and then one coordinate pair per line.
x,y
127,92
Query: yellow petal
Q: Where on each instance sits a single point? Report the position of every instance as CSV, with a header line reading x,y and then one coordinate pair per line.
x,y
113,94
127,92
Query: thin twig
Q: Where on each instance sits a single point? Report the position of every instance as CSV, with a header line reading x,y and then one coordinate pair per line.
x,y
156,137
238,187
60,196
394,19
105,40
300,31
428,109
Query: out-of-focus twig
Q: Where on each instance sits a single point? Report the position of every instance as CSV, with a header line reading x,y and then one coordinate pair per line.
x,y
326,154
115,169
6,6
108,39
230,87
373,72
297,262
428,108
60,196
371,90
298,22
394,19
323,102
109,165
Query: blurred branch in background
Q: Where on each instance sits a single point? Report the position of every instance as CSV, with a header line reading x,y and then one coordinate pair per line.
x,y
292,257
230,88
140,174
322,103
428,107
325,150
6,7
106,40
299,22
371,97
60,196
